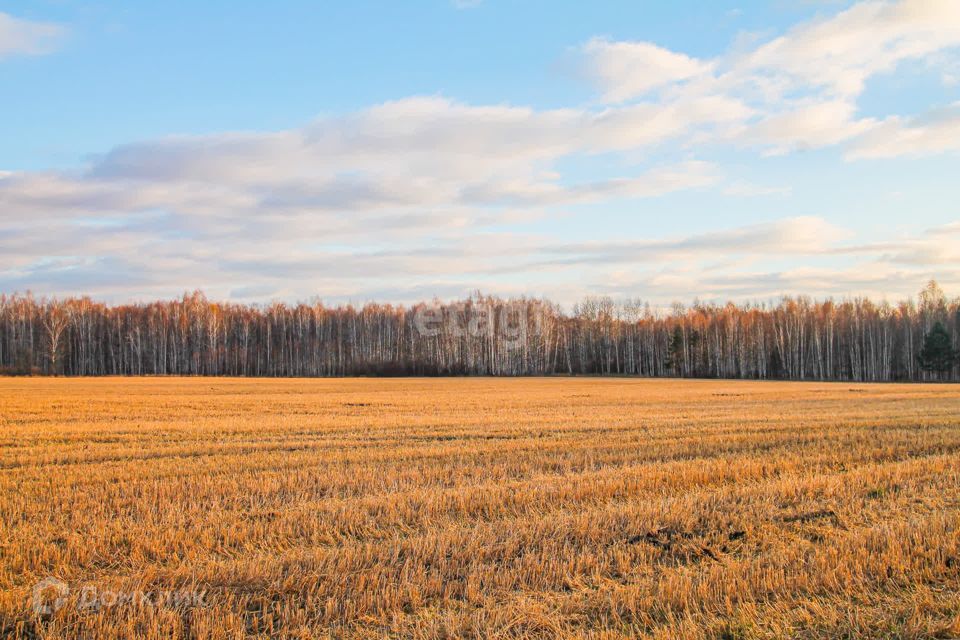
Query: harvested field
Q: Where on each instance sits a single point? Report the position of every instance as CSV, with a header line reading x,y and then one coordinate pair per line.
x,y
474,508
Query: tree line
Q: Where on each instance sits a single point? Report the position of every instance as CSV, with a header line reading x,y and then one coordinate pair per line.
x,y
796,338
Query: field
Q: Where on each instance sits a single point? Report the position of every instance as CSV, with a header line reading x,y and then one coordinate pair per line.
x,y
448,508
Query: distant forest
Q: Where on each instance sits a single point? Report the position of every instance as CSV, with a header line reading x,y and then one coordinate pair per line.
x,y
795,338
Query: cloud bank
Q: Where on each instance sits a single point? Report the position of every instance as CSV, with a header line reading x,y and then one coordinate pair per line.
x,y
426,195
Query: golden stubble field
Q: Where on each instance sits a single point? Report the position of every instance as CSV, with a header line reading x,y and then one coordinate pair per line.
x,y
448,508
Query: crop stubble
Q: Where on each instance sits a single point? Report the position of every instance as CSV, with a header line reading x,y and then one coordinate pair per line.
x,y
439,508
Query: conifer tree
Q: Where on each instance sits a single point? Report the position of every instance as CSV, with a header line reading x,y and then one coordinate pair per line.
x,y
937,355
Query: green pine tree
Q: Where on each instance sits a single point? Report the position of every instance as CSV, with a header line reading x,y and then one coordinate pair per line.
x,y
675,352
937,354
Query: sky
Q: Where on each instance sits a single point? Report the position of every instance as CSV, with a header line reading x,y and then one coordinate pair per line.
x,y
402,151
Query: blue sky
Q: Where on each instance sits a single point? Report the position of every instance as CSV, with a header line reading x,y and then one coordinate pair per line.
x,y
399,151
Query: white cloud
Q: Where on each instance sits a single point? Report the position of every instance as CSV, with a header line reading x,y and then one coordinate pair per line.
x,y
937,131
629,69
800,235
798,90
839,53
654,183
810,125
413,153
25,37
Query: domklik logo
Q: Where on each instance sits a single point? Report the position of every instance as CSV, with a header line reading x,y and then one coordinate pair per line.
x,y
49,595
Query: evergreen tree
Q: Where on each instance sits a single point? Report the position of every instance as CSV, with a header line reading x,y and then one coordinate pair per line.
x,y
675,352
937,354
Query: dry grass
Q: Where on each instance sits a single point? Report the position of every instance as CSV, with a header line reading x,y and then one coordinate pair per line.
x,y
482,507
